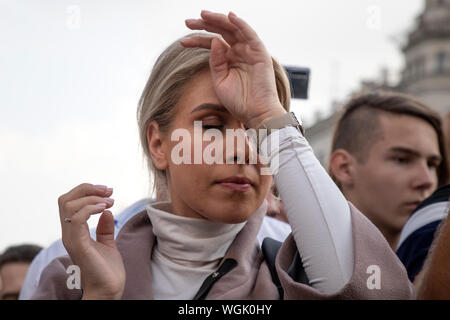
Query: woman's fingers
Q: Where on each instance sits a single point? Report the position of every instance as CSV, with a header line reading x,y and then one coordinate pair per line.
x,y
84,190
82,216
219,62
199,24
99,260
219,20
76,232
231,23
245,29
80,197
238,35
231,28
69,208
105,229
76,206
197,41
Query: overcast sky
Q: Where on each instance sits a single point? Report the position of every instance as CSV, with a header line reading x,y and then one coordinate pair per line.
x,y
71,73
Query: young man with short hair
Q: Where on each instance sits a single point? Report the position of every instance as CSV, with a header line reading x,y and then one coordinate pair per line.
x,y
388,154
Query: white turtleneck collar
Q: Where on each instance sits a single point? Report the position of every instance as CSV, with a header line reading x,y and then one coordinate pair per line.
x,y
190,239
187,250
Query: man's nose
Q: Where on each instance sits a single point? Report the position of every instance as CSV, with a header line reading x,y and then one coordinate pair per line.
x,y
424,178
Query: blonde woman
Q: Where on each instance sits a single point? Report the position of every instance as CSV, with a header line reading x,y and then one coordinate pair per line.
x,y
202,243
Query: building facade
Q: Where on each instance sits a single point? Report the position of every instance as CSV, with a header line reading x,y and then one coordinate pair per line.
x,y
426,73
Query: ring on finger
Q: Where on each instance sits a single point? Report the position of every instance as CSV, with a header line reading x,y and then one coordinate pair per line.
x,y
68,220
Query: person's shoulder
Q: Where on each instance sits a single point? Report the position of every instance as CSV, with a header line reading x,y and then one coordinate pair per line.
x,y
419,231
414,249
136,228
441,194
54,281
129,212
431,210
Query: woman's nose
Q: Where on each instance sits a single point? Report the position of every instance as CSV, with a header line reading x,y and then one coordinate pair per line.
x,y
237,146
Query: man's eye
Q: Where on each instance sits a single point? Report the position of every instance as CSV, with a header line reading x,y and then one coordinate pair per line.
x,y
433,165
400,160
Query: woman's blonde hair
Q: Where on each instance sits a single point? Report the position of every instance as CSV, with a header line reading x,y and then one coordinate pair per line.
x,y
172,70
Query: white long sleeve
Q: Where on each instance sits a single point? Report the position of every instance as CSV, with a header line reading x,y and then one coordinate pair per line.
x,y
317,211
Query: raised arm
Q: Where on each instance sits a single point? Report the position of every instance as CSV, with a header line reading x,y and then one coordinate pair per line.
x,y
244,80
317,211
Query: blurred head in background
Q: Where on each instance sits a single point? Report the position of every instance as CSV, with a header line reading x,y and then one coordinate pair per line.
x,y
14,263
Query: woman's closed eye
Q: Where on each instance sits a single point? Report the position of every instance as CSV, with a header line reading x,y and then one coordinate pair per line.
x,y
212,123
212,126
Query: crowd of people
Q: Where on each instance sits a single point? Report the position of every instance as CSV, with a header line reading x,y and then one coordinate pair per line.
x,y
227,229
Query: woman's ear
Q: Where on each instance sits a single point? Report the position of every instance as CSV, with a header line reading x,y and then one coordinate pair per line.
x,y
341,167
156,146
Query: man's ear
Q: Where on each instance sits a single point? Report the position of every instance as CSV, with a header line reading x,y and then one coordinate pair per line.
x,y
341,167
156,146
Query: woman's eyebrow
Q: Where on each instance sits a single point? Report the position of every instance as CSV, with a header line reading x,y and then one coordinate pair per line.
x,y
210,106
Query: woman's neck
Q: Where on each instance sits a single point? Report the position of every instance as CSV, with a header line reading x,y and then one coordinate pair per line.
x,y
186,240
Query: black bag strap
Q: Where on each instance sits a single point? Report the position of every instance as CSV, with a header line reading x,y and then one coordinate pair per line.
x,y
270,248
225,267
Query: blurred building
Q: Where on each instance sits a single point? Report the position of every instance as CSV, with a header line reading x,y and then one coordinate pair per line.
x,y
426,72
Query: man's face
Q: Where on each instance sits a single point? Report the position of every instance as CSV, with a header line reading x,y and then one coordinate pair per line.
x,y
399,172
13,275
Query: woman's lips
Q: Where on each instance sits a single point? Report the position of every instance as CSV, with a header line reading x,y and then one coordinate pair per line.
x,y
236,186
236,183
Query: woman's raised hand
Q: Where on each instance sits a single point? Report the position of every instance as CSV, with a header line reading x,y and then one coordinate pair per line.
x,y
241,67
101,266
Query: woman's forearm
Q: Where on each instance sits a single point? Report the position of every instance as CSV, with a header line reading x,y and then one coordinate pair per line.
x,y
317,211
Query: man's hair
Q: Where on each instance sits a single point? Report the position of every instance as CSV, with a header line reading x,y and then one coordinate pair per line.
x,y
20,253
358,126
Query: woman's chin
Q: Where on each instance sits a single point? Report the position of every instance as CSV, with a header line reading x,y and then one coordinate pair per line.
x,y
234,213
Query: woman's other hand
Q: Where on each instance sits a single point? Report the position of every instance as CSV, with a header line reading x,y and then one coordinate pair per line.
x,y
101,266
241,67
